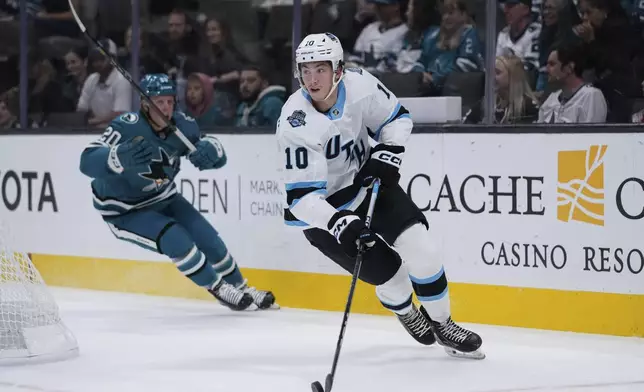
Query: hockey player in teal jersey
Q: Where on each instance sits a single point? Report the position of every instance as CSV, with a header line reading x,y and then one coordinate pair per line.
x,y
133,166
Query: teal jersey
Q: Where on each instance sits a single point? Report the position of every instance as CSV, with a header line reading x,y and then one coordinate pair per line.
x,y
140,186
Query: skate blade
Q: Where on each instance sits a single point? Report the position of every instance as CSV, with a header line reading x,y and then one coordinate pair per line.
x,y
255,308
274,306
459,354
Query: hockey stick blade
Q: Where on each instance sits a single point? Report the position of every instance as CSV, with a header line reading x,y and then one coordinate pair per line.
x,y
328,382
128,77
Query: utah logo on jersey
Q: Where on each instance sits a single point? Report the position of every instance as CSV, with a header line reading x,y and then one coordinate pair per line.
x,y
157,171
297,119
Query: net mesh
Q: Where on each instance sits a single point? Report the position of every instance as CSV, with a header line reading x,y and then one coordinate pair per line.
x,y
30,323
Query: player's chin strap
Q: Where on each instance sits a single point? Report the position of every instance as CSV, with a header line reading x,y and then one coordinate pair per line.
x,y
334,85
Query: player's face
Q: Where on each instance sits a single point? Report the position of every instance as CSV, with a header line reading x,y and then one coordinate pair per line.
x,y
318,79
165,103
501,76
194,94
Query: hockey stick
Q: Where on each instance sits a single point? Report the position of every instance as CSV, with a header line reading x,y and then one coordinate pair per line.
x,y
128,77
328,382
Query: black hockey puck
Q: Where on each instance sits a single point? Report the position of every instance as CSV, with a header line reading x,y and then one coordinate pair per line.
x,y
317,387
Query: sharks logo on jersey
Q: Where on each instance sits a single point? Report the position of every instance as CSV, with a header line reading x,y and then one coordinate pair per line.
x,y
158,171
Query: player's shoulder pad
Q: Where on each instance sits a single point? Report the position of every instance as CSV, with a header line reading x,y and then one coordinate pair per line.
x,y
187,124
296,119
360,85
126,123
127,119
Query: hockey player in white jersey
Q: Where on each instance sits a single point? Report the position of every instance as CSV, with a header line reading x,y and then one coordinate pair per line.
x,y
323,134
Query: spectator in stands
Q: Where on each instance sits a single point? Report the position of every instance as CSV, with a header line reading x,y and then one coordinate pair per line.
x,y
222,61
612,43
206,106
8,120
45,89
149,62
55,18
521,35
179,50
12,8
261,103
454,46
9,109
576,101
421,15
76,66
381,38
638,117
106,93
182,38
559,17
365,14
516,103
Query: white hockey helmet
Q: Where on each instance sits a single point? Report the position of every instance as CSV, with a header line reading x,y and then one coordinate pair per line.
x,y
320,47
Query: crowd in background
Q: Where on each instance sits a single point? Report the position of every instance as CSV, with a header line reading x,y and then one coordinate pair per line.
x,y
573,61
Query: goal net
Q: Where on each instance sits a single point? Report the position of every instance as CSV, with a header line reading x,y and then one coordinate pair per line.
x,y
31,329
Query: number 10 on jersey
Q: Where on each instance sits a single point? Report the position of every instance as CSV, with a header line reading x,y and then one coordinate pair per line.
x,y
300,157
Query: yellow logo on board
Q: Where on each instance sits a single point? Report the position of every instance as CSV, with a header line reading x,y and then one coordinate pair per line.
x,y
580,185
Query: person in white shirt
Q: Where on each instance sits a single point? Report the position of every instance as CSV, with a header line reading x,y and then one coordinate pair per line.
x,y
106,93
383,38
324,135
521,35
576,101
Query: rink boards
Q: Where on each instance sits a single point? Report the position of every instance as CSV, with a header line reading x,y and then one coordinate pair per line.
x,y
535,230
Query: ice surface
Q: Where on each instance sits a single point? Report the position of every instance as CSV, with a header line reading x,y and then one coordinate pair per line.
x,y
141,343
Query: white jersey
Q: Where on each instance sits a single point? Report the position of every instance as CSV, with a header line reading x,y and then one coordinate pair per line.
x,y
586,105
525,46
322,153
375,43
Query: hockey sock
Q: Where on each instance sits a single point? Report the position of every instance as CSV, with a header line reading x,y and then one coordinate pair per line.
x,y
396,293
195,267
425,271
228,269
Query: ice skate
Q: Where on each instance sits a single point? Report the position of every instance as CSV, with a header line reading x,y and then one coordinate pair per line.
x,y
231,297
418,326
457,341
262,299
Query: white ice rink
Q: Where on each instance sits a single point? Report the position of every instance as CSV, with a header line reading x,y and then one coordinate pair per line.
x,y
138,343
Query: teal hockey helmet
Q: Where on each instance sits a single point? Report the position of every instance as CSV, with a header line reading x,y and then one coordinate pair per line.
x,y
158,84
